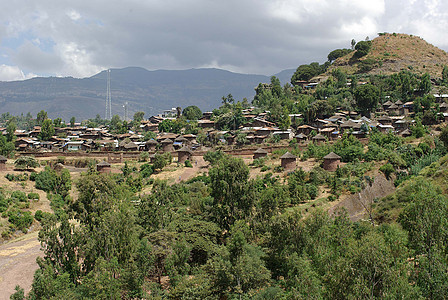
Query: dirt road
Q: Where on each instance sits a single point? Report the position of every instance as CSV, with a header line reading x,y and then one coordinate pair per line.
x,y
18,263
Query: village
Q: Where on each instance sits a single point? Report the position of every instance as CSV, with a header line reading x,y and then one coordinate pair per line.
x,y
261,136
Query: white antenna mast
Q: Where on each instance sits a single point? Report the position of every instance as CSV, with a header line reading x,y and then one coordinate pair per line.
x,y
108,98
125,106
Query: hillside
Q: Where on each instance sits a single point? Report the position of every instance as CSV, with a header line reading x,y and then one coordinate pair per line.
x,y
391,53
148,91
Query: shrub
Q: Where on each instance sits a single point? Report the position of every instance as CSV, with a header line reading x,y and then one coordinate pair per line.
x,y
10,177
387,170
278,169
20,220
146,170
188,164
265,168
33,196
144,156
19,196
38,215
259,162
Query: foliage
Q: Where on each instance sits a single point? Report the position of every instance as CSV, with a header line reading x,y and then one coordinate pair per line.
x,y
26,162
6,148
47,130
55,182
192,112
366,97
306,72
362,48
335,54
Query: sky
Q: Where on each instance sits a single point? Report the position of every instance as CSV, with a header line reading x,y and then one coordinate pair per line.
x,y
83,37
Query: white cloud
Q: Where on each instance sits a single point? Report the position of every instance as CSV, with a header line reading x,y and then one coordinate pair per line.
x,y
262,36
12,73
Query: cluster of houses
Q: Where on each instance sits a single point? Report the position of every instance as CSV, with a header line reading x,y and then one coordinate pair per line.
x,y
394,117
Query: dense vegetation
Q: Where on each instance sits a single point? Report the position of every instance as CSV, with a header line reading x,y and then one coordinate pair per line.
x,y
225,235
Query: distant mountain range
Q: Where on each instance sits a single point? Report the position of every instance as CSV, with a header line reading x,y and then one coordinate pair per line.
x,y
148,91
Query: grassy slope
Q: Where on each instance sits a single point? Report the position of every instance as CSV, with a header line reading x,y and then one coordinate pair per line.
x,y
396,52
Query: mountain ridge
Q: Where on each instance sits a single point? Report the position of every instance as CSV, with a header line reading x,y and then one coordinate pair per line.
x,y
144,90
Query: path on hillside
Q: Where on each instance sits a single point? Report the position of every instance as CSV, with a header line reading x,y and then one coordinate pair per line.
x,y
18,263
199,165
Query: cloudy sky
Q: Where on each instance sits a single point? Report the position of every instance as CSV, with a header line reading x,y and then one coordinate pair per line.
x,y
80,38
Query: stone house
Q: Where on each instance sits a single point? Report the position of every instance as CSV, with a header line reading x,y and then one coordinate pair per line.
x,y
331,161
288,161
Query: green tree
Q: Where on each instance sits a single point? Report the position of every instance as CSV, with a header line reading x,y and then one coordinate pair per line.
x,y
192,112
57,122
426,220
6,148
229,189
366,97
425,83
335,54
47,130
362,48
72,121
445,74
10,131
138,117
41,117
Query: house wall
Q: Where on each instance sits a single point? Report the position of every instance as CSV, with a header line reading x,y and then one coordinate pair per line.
x,y
331,164
288,163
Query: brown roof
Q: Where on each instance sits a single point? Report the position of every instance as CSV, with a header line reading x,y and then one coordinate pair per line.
x,y
288,155
332,155
180,139
319,137
131,145
184,149
151,141
167,141
260,151
103,164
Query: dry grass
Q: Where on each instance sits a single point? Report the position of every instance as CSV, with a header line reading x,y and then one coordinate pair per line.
x,y
396,52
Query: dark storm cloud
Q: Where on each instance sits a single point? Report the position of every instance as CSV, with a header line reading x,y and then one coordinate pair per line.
x,y
246,35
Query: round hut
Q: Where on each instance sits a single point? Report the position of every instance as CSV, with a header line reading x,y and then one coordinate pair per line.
x,y
184,154
331,161
260,152
181,139
288,161
103,167
319,138
167,145
300,138
3,161
151,145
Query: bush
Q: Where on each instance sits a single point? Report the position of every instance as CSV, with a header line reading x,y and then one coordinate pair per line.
x,y
38,215
387,170
144,156
33,176
34,196
20,220
188,164
10,177
146,170
278,169
259,162
19,196
265,168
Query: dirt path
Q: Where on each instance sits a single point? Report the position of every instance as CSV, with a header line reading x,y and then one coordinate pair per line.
x,y
199,165
18,263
